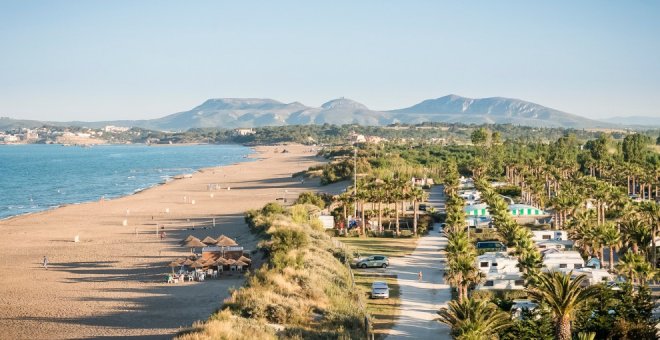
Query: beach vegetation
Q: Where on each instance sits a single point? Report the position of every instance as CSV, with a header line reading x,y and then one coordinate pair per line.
x,y
304,289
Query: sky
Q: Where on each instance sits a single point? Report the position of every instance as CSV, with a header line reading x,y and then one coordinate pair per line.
x,y
107,60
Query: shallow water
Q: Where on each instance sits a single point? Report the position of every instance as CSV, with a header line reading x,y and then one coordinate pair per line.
x,y
39,177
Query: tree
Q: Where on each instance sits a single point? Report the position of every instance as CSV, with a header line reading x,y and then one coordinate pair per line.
x,y
635,233
417,195
611,238
474,319
634,267
480,136
564,296
634,148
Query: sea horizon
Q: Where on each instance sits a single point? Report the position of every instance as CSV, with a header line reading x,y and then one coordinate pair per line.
x,y
41,177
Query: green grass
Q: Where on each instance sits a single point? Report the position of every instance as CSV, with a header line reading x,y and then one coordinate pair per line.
x,y
384,312
381,245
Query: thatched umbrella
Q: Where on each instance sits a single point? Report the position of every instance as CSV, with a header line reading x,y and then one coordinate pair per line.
x,y
194,243
188,239
188,262
225,241
230,262
197,264
240,263
245,259
209,240
174,264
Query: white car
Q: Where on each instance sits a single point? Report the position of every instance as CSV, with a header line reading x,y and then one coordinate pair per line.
x,y
379,289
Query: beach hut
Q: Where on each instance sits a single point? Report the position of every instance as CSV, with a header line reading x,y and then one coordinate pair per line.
x,y
208,240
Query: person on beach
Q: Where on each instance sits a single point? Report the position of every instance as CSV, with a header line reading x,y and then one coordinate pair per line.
x,y
45,262
419,276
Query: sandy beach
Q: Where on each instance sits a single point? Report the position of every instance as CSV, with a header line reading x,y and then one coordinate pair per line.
x,y
111,283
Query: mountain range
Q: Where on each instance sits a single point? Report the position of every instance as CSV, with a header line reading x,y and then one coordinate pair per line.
x,y
255,112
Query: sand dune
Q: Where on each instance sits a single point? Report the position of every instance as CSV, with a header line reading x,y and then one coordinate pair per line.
x,y
110,284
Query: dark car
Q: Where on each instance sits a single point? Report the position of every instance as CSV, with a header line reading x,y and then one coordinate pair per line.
x,y
490,246
374,261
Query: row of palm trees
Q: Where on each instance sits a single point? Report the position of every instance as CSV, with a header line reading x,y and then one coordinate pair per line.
x,y
382,193
460,271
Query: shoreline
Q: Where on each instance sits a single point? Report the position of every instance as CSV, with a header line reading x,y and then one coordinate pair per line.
x,y
246,159
110,284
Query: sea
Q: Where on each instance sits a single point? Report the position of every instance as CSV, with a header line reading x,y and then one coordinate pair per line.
x,y
35,177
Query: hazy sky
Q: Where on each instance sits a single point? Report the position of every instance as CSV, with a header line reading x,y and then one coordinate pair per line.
x,y
93,60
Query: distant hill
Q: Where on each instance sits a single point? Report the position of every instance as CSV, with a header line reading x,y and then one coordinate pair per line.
x,y
255,112
496,110
641,121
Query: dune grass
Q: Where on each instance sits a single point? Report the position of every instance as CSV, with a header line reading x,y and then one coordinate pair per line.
x,y
303,292
381,245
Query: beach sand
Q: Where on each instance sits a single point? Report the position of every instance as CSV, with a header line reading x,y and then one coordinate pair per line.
x,y
111,283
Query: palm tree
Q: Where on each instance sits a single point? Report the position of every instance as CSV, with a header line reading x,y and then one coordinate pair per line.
x,y
461,273
474,319
636,232
611,238
652,211
417,195
635,267
564,296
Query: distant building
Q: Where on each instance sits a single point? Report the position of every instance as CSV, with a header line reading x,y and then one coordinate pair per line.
x,y
115,129
357,138
244,132
375,139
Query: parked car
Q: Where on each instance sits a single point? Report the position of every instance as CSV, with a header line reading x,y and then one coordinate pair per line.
x,y
374,261
379,289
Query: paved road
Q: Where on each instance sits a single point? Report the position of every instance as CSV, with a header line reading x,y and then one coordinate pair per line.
x,y
421,300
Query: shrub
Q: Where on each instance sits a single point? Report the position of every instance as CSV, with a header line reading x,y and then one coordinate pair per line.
x,y
273,208
311,198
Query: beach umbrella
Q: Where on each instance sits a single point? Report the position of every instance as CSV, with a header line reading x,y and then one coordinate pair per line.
x,y
245,259
221,262
230,262
197,264
194,243
226,242
209,240
188,239
174,264
240,263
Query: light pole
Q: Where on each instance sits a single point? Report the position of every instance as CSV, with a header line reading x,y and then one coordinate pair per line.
x,y
355,182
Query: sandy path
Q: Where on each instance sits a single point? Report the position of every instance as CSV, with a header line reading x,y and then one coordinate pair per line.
x,y
421,300
110,283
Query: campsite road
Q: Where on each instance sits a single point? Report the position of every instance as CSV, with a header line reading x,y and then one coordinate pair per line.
x,y
421,299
